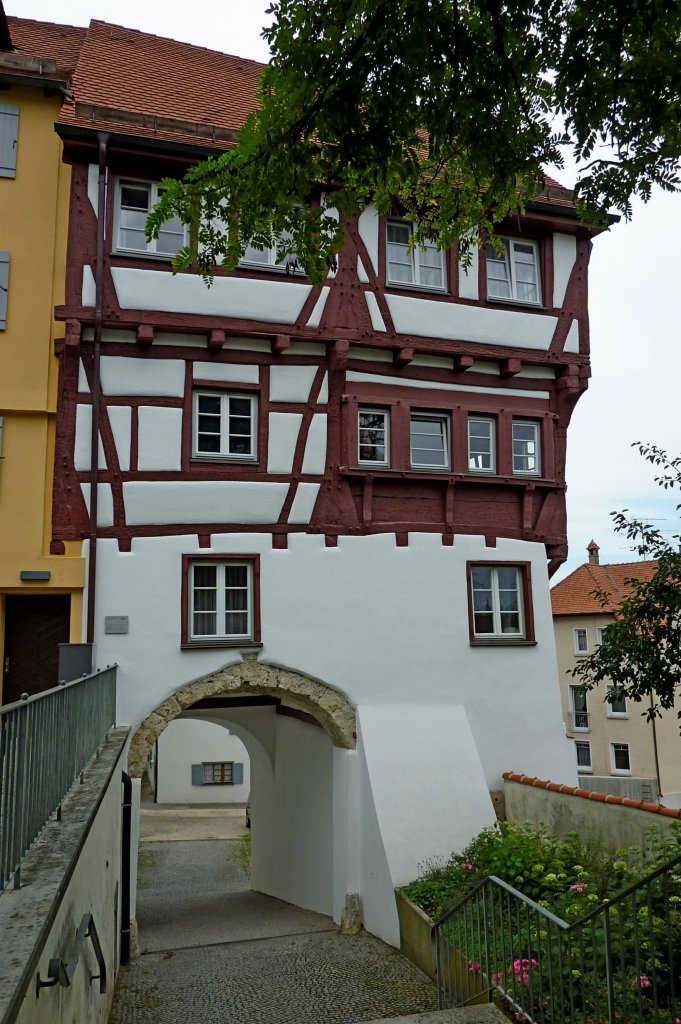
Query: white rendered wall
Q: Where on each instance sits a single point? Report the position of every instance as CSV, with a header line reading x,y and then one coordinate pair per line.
x,y
186,742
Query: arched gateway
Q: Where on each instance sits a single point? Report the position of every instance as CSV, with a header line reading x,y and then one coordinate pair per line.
x,y
329,707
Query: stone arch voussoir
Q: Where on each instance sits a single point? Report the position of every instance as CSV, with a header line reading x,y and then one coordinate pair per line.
x,y
330,708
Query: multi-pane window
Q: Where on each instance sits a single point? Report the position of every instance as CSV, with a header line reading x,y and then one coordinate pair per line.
x,y
272,256
581,641
583,750
497,602
481,445
525,441
134,203
221,600
373,435
225,425
579,711
616,702
513,273
429,441
218,773
619,757
600,630
421,264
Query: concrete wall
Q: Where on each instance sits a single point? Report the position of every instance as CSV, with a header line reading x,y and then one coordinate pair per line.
x,y
73,868
187,742
614,824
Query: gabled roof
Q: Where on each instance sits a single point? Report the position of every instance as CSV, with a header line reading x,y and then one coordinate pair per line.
x,y
46,40
135,83
575,594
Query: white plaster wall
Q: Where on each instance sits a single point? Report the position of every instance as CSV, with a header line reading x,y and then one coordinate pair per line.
x,y
318,309
315,449
83,442
104,503
430,319
564,255
303,503
123,375
159,438
120,420
276,301
284,427
240,373
291,383
357,376
572,340
368,231
468,280
186,742
380,623
377,321
154,502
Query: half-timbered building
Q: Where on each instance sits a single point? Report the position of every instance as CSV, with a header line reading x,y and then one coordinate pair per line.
x,y
325,516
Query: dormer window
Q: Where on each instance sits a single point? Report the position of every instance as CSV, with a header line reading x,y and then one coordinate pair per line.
x,y
513,274
421,266
134,202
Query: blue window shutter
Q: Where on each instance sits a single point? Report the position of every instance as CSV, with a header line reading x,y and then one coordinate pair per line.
x,y
238,773
4,288
197,775
9,134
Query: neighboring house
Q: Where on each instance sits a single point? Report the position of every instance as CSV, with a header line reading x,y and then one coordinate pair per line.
x,y
41,578
614,742
324,518
198,762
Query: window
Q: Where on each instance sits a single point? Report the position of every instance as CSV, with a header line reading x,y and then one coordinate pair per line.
x,y
4,288
583,750
221,600
481,445
9,136
616,702
134,202
579,712
600,630
525,440
513,273
619,758
373,430
422,265
269,256
218,773
429,441
497,606
581,642
225,426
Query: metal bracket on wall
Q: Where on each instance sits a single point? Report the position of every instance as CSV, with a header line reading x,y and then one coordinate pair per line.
x,y
61,973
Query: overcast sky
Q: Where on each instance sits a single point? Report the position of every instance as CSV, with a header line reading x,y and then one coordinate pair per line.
x,y
635,302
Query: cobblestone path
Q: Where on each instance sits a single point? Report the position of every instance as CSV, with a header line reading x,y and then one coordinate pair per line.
x,y
215,953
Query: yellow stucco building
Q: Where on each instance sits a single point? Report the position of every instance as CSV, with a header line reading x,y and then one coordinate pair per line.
x,y
41,591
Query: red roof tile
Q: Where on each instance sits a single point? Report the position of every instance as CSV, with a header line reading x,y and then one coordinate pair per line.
x,y
575,594
590,794
60,43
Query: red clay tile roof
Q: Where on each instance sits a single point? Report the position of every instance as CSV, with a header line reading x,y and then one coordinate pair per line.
x,y
589,794
60,43
125,79
574,595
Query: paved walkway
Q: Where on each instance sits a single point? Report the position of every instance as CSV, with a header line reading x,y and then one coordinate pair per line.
x,y
215,953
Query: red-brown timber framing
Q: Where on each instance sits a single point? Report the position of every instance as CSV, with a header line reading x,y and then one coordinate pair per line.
x,y
352,499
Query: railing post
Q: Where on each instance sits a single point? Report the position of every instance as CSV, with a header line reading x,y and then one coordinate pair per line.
x,y
607,935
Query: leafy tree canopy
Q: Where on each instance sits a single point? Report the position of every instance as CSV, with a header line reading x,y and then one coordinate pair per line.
x,y
445,108
640,655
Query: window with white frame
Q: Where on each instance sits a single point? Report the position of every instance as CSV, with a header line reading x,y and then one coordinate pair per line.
x,y
581,641
616,703
600,630
620,760
221,600
225,425
429,440
134,201
373,436
525,442
481,445
421,264
579,710
272,256
513,273
583,751
497,602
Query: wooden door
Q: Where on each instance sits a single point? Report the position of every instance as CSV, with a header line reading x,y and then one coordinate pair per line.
x,y
34,627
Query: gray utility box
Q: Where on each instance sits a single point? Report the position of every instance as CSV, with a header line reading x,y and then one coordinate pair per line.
x,y
75,660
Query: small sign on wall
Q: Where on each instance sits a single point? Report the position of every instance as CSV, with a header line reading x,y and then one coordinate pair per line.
x,y
116,624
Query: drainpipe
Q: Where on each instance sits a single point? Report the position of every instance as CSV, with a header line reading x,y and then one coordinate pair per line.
x,y
125,869
103,139
657,758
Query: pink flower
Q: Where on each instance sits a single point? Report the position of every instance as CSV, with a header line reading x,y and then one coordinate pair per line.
x,y
643,981
522,968
468,867
499,977
473,968
578,887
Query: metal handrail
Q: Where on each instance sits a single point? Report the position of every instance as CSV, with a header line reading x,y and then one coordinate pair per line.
x,y
45,743
620,962
62,973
